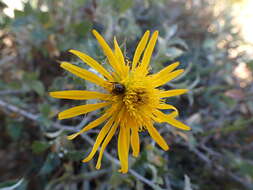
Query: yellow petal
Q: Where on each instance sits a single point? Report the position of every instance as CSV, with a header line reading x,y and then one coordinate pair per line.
x,y
165,71
104,131
92,63
79,110
120,58
135,142
82,73
79,95
156,136
128,139
170,119
140,47
94,123
159,116
120,148
166,78
175,123
170,93
107,51
123,148
105,143
167,107
148,52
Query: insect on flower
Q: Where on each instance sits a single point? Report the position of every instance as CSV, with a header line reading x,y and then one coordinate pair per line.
x,y
118,88
133,101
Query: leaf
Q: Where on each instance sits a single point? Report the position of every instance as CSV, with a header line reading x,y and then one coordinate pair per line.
x,y
38,87
75,155
44,18
187,183
40,146
171,31
174,52
250,65
195,118
245,167
115,180
21,20
14,129
39,35
28,8
120,5
31,82
45,109
44,121
83,28
192,141
11,185
50,164
18,13
179,43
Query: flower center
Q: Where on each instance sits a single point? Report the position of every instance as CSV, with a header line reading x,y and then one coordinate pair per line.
x,y
134,98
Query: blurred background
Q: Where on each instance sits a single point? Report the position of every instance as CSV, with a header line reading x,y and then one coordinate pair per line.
x,y
211,38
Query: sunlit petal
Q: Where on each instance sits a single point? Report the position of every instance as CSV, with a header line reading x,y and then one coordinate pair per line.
x,y
94,123
170,93
170,119
148,52
156,136
107,51
82,73
79,110
79,95
165,71
135,141
104,131
166,78
92,63
105,143
140,48
120,58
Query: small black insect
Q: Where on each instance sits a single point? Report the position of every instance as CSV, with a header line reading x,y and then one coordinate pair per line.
x,y
118,88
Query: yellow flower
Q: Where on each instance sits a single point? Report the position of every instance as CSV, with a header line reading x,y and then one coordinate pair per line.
x,y
132,98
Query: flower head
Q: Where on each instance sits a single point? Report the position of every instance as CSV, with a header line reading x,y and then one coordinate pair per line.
x,y
132,102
